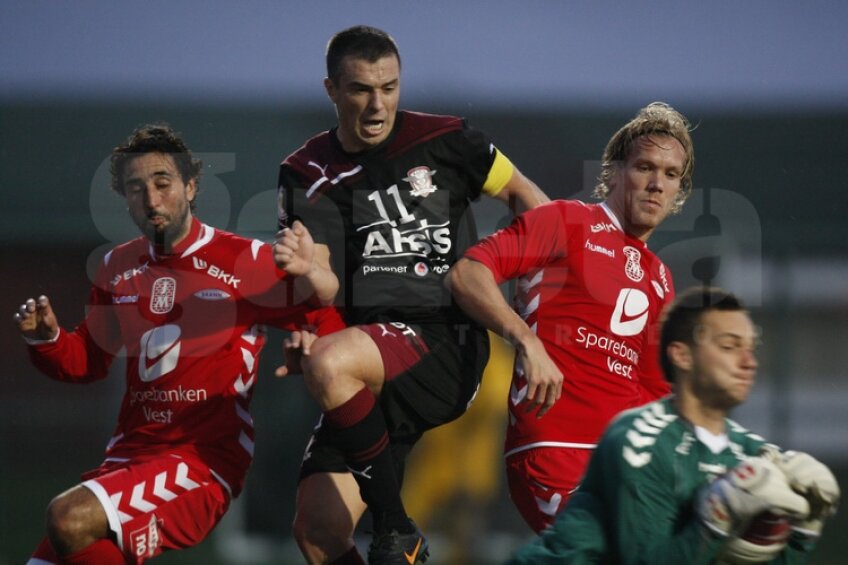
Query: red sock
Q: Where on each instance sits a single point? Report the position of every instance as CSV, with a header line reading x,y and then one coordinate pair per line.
x,y
359,429
101,552
349,557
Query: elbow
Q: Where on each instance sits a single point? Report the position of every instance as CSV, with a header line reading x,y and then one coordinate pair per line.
x,y
456,279
327,297
460,281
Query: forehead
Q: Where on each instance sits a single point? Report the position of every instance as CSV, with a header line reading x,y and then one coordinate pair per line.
x,y
656,146
356,69
737,323
147,164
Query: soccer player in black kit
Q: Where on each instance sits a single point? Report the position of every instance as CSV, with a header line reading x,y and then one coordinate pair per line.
x,y
386,196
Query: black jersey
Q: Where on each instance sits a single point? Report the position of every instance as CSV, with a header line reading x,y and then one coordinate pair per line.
x,y
396,216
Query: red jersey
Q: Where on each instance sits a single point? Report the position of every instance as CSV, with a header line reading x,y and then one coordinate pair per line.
x,y
191,326
593,295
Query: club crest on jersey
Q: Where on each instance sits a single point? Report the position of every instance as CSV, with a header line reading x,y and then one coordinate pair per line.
x,y
162,295
421,179
632,268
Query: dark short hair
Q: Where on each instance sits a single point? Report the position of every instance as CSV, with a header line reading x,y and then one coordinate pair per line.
x,y
684,315
154,138
361,42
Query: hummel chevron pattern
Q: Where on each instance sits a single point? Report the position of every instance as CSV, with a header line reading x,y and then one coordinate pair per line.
x,y
166,487
646,427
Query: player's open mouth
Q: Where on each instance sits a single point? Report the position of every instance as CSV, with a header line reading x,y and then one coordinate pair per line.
x,y
373,127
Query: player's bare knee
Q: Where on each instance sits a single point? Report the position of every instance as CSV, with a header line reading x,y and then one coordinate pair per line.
x,y
322,370
70,523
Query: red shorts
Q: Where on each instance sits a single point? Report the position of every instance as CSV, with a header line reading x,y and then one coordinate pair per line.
x,y
541,480
158,503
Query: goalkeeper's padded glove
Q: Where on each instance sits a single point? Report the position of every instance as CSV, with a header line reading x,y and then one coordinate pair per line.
x,y
811,479
756,485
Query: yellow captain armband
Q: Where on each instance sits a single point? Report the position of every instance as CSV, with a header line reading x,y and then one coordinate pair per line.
x,y
499,174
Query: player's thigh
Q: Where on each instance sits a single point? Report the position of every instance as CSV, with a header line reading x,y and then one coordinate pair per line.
x,y
159,504
343,355
540,481
328,502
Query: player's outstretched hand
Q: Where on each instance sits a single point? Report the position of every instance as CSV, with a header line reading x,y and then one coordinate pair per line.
x,y
36,320
544,379
813,480
295,348
294,249
756,485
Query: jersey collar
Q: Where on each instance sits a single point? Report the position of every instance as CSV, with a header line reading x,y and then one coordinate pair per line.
x,y
613,218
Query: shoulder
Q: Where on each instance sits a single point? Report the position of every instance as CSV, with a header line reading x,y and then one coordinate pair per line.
x,y
133,251
416,128
573,212
422,124
229,242
641,436
317,147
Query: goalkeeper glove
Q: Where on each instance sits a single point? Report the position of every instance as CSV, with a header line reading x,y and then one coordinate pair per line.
x,y
727,505
815,482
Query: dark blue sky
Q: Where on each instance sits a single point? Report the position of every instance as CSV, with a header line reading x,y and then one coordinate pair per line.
x,y
752,54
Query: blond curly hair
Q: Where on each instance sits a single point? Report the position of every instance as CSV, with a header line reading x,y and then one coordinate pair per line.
x,y
657,118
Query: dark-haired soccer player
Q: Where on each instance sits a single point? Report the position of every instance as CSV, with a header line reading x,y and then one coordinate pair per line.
x,y
188,303
677,481
387,193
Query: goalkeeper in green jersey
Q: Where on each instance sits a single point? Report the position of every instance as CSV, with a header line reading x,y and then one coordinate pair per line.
x,y
676,481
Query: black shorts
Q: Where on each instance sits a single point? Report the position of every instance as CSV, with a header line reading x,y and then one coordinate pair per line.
x,y
436,390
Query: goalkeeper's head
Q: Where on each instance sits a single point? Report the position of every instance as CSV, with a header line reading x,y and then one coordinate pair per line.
x,y
708,344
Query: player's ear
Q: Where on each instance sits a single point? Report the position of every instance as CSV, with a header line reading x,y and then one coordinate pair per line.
x,y
191,190
680,355
331,89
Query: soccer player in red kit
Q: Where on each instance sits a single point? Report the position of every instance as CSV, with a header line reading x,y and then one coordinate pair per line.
x,y
589,296
188,303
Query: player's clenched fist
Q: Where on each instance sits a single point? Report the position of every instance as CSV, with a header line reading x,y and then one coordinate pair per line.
x,y
294,249
36,320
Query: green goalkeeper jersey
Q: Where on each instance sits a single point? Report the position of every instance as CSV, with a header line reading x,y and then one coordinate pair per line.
x,y
636,501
